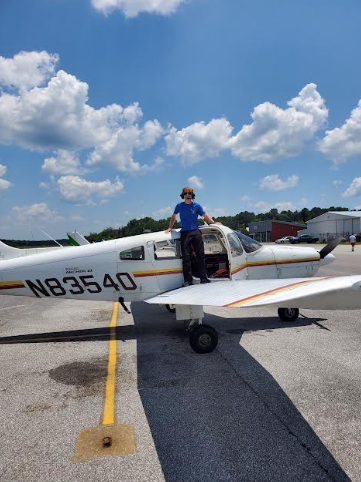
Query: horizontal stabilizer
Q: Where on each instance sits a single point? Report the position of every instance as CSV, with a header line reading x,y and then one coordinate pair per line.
x,y
8,252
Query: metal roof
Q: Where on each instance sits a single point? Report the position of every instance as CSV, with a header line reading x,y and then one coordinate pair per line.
x,y
328,215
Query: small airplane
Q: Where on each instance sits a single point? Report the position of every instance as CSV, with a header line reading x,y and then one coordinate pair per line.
x,y
148,267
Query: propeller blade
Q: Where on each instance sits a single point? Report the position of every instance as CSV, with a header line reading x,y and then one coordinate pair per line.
x,y
330,247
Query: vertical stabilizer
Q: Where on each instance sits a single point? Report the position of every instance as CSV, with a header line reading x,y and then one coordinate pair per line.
x,y
76,239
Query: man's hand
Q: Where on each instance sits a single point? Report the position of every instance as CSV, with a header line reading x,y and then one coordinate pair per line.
x,y
168,230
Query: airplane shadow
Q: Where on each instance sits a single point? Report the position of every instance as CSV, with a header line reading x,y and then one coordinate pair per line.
x,y
222,417
130,332
92,334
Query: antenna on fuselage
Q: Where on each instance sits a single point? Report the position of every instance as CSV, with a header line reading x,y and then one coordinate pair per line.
x,y
50,237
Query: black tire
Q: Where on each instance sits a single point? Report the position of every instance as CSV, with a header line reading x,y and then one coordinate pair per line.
x,y
288,314
171,310
203,339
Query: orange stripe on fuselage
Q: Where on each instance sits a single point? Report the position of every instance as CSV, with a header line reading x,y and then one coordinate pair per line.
x,y
142,274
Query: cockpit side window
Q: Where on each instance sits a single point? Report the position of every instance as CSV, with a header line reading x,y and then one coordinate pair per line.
x,y
235,245
249,245
168,249
136,253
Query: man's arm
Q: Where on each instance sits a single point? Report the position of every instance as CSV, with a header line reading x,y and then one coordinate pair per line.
x,y
171,223
208,219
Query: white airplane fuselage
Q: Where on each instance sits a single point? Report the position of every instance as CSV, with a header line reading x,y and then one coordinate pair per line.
x,y
139,267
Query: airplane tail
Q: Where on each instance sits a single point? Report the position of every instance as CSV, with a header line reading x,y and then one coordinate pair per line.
x,y
8,252
76,239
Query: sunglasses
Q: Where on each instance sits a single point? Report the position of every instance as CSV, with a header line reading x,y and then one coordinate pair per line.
x,y
187,192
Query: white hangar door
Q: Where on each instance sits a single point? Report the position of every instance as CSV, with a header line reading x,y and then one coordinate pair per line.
x,y
348,226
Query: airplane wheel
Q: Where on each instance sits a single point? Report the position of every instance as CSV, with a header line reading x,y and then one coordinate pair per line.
x,y
169,308
288,314
203,339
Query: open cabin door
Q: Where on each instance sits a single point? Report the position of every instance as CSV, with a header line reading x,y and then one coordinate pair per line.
x,y
224,254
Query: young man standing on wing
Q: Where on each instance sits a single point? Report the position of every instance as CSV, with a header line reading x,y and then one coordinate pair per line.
x,y
191,236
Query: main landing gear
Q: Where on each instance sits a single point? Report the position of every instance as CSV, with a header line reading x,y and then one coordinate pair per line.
x,y
288,314
202,338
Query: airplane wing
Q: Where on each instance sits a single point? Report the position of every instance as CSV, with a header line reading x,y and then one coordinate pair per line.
x,y
327,293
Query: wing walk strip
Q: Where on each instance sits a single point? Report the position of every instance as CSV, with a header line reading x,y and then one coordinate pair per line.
x,y
249,299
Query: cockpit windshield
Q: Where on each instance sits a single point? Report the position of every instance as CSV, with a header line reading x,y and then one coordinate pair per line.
x,y
249,245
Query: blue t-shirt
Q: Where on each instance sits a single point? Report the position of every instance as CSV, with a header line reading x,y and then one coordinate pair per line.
x,y
189,215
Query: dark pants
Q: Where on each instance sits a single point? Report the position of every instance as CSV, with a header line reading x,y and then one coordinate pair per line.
x,y
192,239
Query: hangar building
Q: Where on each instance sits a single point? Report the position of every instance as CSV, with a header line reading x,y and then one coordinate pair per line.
x,y
335,223
271,229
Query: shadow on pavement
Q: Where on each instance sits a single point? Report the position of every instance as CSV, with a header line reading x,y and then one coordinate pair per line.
x,y
222,417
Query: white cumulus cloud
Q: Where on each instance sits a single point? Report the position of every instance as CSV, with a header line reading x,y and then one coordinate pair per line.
x,y
262,206
118,149
78,190
3,183
65,162
199,141
337,182
58,117
277,133
27,69
131,8
163,213
354,189
196,182
344,142
274,183
35,212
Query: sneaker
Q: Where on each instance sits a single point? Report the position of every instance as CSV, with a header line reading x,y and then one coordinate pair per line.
x,y
205,281
187,283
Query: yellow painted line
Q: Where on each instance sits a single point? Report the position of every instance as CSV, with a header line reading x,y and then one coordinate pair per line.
x,y
108,417
108,439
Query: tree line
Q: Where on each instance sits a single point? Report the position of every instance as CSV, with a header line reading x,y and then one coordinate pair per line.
x,y
238,222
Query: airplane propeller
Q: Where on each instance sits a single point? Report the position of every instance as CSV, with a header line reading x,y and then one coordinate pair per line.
x,y
330,247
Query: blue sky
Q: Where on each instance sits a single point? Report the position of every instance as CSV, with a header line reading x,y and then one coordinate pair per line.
x,y
109,107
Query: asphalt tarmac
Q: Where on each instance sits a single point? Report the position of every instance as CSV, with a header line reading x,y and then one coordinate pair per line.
x,y
274,402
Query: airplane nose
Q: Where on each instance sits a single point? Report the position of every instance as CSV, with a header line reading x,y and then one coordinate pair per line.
x,y
327,259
